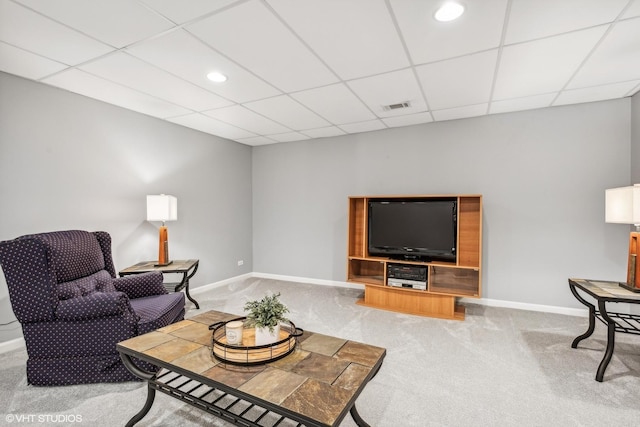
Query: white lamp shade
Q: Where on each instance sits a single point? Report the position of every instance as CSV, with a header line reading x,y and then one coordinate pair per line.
x,y
162,208
622,205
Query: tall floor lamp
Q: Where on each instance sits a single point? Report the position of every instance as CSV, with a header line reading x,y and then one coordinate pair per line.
x,y
623,207
162,208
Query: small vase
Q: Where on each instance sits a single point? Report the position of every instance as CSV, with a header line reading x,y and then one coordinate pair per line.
x,y
264,336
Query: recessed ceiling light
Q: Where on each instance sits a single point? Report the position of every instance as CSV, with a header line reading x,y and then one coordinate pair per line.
x,y
217,77
449,11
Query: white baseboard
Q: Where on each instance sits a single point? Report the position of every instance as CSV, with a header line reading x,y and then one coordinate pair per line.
x,y
19,342
480,301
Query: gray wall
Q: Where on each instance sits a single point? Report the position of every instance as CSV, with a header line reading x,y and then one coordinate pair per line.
x,y
635,139
70,162
542,174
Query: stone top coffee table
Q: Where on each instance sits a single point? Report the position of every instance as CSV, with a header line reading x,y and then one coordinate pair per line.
x,y
315,385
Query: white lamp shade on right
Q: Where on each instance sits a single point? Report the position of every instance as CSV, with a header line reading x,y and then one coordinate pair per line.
x,y
162,208
622,205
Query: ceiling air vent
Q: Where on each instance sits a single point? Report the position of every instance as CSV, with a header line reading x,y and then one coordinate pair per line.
x,y
396,106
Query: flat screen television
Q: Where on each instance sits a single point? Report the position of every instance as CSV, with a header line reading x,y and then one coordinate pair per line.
x,y
413,229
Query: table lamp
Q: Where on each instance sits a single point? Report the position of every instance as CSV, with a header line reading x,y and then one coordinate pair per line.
x,y
162,208
622,206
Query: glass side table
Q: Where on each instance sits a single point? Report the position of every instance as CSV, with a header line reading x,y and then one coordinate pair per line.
x,y
187,268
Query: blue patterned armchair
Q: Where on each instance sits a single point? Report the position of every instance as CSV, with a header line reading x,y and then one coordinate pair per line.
x,y
73,310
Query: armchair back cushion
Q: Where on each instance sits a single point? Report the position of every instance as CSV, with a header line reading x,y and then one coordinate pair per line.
x,y
72,308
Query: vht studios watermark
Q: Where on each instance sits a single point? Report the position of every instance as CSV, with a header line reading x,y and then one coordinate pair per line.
x,y
43,418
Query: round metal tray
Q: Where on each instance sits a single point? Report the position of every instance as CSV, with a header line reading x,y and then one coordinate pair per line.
x,y
246,355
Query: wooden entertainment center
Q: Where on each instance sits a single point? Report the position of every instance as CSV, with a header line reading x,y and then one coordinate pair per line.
x,y
446,281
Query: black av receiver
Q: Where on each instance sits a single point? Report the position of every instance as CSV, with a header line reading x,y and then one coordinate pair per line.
x,y
407,276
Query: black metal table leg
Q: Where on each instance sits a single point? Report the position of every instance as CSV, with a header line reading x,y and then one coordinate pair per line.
x,y
185,282
357,418
592,318
611,340
151,392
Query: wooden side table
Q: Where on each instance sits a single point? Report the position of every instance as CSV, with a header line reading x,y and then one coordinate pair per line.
x,y
604,292
187,267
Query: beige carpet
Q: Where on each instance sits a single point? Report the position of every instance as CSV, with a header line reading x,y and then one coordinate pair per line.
x,y
500,367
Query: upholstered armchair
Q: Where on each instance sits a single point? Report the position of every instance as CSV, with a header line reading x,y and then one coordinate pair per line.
x,y
73,310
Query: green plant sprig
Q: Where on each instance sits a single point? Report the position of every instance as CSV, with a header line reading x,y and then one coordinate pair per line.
x,y
266,313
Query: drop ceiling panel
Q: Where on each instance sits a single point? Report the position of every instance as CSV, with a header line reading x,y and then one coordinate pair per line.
x,y
526,103
32,32
288,112
390,88
256,140
597,93
351,43
136,74
456,82
461,112
22,63
408,120
88,85
336,103
179,13
545,65
479,28
252,36
243,118
210,125
323,132
633,10
616,59
533,19
288,137
187,57
115,22
367,126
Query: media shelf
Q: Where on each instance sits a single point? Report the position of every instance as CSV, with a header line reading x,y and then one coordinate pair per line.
x,y
446,281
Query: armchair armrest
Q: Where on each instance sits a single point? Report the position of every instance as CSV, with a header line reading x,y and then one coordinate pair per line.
x,y
141,285
95,306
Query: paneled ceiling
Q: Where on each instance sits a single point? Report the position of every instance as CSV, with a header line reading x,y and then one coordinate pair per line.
x,y
301,69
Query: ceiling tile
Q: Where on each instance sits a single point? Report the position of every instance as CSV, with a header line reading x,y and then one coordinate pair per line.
x,y
461,81
616,59
479,28
532,19
179,13
243,118
596,93
633,11
336,103
256,140
353,43
363,126
88,85
115,22
136,74
288,112
460,112
22,63
252,36
525,103
408,120
289,136
545,65
323,132
210,125
183,55
390,88
35,33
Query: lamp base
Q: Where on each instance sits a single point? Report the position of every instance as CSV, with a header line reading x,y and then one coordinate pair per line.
x,y
163,247
629,287
170,262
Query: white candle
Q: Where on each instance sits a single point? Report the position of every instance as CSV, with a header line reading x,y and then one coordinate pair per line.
x,y
233,330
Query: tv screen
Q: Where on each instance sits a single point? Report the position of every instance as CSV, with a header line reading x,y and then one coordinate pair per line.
x,y
423,229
